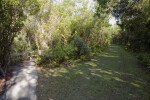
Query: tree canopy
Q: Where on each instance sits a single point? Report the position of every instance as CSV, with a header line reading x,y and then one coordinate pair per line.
x,y
12,15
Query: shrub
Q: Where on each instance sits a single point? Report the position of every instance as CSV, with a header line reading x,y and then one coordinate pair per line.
x,y
82,47
55,55
63,53
70,51
144,59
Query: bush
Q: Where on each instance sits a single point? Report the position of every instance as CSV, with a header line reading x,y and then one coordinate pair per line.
x,y
144,59
63,53
55,55
82,48
70,51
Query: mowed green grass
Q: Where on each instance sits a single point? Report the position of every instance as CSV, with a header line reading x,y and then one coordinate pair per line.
x,y
112,75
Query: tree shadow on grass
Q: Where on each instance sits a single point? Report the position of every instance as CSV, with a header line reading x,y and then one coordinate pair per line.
x,y
113,75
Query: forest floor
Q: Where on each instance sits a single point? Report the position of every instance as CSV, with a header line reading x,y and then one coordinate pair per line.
x,y
111,75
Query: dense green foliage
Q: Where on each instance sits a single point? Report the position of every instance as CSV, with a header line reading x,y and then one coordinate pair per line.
x,y
134,21
64,30
67,33
144,59
12,15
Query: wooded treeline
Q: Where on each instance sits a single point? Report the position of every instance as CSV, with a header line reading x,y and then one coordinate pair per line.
x,y
70,29
134,21
70,33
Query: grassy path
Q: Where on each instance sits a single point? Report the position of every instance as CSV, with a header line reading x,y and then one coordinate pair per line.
x,y
112,75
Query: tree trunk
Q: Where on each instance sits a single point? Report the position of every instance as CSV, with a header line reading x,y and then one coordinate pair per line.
x,y
2,72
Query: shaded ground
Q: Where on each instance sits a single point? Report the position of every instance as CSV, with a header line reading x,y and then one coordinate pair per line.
x,y
2,83
3,80
22,85
113,75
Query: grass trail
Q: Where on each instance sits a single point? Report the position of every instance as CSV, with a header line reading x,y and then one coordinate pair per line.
x,y
112,75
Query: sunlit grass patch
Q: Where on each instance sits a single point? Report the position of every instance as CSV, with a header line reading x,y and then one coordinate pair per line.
x,y
102,78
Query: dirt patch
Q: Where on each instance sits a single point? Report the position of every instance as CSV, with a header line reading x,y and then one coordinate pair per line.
x,y
3,81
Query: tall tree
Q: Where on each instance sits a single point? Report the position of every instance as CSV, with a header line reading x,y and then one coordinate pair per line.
x,y
12,15
134,20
